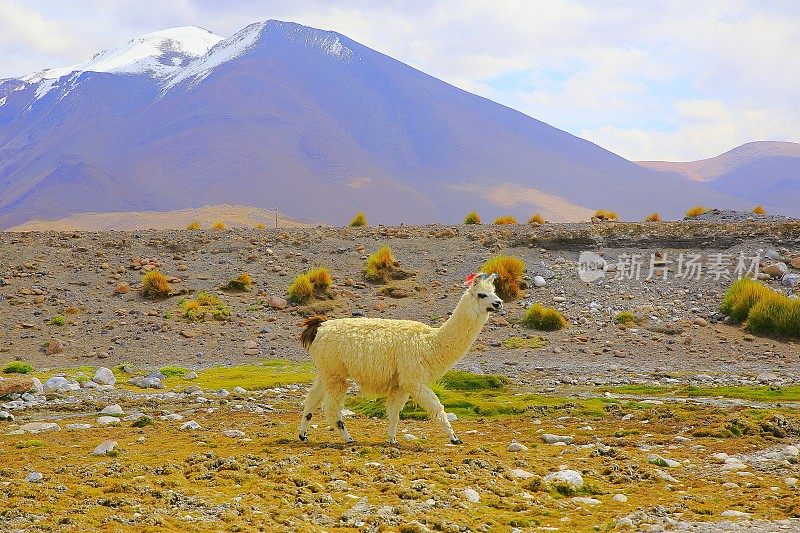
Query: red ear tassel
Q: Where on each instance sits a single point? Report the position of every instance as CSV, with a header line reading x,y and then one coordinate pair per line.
x,y
469,279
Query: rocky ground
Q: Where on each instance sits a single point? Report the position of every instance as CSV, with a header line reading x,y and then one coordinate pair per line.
x,y
681,384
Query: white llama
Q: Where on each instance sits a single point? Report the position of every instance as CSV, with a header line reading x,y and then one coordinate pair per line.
x,y
392,358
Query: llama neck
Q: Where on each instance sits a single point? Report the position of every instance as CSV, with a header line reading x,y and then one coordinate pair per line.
x,y
454,338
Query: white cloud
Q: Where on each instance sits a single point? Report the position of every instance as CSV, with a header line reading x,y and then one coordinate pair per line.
x,y
664,79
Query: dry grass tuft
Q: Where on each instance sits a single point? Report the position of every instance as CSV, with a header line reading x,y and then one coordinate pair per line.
x,y
759,210
359,220
315,283
243,283
696,211
382,266
321,279
301,290
607,216
155,285
763,310
472,218
205,304
742,295
509,271
260,225
507,219
544,318
536,218
218,225
194,225
653,217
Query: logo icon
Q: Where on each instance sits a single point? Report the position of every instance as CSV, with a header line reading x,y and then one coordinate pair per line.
x,y
591,267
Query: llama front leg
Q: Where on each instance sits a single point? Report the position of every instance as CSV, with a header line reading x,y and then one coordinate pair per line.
x,y
314,398
394,404
333,404
426,399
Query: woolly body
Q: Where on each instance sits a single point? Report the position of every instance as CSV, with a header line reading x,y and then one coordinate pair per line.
x,y
394,358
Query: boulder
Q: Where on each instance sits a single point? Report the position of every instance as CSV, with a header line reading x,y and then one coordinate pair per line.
x,y
276,302
105,447
571,478
104,376
15,385
776,270
39,427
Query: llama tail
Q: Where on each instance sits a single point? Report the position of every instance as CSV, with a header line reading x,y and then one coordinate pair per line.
x,y
310,332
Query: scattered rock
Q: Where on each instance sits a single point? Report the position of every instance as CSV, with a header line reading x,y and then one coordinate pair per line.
x,y
276,302
55,346
39,427
104,376
731,513
408,437
105,447
517,447
191,425
549,438
73,427
108,420
571,478
471,495
539,281
232,433
113,409
34,477
621,498
15,385
662,461
5,416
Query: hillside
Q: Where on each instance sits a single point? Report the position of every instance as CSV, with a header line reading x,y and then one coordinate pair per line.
x,y
307,120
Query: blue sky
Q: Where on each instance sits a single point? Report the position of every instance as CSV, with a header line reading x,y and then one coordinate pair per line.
x,y
674,80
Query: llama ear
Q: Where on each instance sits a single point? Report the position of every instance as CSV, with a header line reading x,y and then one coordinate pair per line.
x,y
469,280
492,277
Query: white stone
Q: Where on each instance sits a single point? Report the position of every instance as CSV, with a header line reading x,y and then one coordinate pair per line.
x,y
191,425
663,461
34,477
108,420
517,447
73,427
113,409
471,495
730,513
790,481
521,474
666,477
572,478
105,447
39,427
239,390
719,457
171,416
409,437
586,501
104,376
233,433
549,438
621,498
539,281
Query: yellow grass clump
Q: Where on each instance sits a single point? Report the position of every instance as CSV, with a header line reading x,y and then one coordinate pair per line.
x,y
218,225
260,225
315,283
507,219
155,285
536,218
742,295
759,210
321,279
608,216
653,217
380,265
242,283
544,318
763,310
204,304
194,225
359,220
696,211
301,290
472,218
509,271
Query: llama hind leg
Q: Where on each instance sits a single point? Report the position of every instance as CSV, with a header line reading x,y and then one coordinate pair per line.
x,y
426,399
333,408
314,398
394,404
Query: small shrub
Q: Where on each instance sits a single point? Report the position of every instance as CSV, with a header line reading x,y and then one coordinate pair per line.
x,y
696,211
58,320
507,219
742,295
544,318
194,225
260,225
173,371
625,317
18,367
653,217
380,265
155,285
536,218
759,210
606,216
196,309
218,225
301,290
775,314
142,421
472,218
359,220
243,283
509,271
321,280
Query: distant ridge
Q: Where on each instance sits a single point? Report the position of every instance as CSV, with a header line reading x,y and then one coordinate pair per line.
x,y
308,120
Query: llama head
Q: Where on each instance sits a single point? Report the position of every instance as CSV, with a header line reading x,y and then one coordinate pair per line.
x,y
480,293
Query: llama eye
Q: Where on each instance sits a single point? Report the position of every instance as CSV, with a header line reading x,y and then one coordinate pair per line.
x,y
481,295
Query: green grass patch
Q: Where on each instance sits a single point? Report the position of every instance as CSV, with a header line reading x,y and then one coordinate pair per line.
x,y
530,343
58,320
458,380
544,318
18,367
173,371
32,443
142,421
266,375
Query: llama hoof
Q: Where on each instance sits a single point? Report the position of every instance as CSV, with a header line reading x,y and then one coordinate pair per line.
x,y
303,438
393,442
456,441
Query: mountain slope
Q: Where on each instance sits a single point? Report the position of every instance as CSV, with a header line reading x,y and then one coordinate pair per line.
x,y
311,122
764,172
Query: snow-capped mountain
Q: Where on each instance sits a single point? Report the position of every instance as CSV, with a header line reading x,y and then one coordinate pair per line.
x,y
310,121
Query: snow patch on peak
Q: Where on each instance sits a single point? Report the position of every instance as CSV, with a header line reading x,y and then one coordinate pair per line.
x,y
157,54
222,52
327,41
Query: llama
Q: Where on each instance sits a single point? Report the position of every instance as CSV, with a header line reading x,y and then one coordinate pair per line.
x,y
392,358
